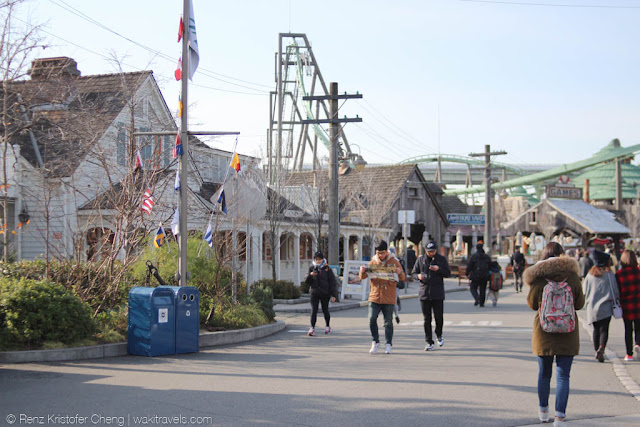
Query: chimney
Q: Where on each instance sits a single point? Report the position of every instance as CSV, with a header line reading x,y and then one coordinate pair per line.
x,y
586,191
47,68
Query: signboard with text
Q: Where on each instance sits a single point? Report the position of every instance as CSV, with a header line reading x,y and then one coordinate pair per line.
x,y
465,219
564,192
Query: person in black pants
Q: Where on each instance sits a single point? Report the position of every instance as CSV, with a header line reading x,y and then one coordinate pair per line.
x,y
431,269
323,287
518,263
478,272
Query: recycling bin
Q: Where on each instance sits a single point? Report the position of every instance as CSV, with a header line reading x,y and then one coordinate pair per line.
x,y
187,304
152,325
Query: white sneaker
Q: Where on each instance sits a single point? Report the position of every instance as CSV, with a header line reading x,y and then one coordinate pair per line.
x,y
543,415
429,347
440,342
327,330
312,332
387,348
374,347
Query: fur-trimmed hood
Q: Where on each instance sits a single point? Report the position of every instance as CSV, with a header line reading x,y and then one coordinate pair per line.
x,y
556,268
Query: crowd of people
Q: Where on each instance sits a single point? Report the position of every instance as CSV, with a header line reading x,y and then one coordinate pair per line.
x,y
558,286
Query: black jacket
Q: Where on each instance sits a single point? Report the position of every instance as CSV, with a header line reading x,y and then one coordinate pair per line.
x,y
518,261
433,287
324,283
478,257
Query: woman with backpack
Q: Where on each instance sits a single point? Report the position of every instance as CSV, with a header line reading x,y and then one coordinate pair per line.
x,y
600,290
556,274
628,278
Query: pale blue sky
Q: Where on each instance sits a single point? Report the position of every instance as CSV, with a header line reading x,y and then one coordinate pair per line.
x,y
547,84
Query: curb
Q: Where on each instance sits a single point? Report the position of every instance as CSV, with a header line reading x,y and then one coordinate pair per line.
x,y
207,339
619,368
300,300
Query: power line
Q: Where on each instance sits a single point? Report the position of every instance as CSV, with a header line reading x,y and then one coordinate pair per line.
x,y
160,54
582,6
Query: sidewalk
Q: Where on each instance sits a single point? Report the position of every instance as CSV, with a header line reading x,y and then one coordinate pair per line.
x,y
411,291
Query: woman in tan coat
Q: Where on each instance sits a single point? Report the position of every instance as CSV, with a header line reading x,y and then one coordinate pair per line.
x,y
564,346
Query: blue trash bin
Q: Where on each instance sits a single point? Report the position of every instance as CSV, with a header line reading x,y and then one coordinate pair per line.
x,y
187,300
152,325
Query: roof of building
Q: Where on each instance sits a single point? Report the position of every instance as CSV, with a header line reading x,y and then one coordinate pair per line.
x,y
594,220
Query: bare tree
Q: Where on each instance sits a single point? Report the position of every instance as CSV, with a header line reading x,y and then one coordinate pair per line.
x,y
17,43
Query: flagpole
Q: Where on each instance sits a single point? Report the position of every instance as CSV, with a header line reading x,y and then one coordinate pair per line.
x,y
184,159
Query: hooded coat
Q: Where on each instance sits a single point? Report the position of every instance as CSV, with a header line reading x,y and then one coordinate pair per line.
x,y
556,269
384,291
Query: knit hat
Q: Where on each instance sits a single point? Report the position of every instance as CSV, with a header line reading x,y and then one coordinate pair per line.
x,y
480,247
601,258
382,246
318,255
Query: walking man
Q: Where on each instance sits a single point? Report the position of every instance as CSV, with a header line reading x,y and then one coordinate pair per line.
x,y
382,297
431,269
518,263
478,272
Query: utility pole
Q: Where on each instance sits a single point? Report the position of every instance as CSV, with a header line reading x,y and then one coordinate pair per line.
x,y
488,195
334,205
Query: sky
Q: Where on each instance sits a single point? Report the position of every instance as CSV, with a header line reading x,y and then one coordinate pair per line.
x,y
547,81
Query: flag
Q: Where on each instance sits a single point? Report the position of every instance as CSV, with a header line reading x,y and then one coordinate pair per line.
x,y
179,106
139,162
176,184
194,54
159,240
178,72
222,201
175,223
235,163
147,202
208,236
177,150
180,29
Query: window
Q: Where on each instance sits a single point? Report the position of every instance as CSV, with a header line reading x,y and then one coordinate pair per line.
x,y
167,149
534,217
145,146
413,193
267,254
306,246
121,145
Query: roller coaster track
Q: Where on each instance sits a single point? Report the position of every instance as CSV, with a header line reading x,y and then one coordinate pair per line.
x,y
430,158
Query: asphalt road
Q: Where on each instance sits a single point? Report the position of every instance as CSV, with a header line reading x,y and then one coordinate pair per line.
x,y
485,375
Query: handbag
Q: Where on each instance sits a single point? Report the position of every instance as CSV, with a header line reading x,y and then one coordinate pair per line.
x,y
617,309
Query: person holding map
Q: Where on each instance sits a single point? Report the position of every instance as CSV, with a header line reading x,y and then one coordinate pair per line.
x,y
384,271
431,269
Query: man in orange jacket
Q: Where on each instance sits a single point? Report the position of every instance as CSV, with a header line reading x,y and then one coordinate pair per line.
x,y
382,297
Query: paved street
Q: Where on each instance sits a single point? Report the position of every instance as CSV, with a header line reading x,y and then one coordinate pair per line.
x,y
485,375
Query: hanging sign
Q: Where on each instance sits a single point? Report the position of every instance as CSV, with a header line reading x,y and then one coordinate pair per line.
x,y
563,192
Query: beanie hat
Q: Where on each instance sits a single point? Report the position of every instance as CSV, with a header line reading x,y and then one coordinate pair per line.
x,y
382,246
601,258
318,255
480,247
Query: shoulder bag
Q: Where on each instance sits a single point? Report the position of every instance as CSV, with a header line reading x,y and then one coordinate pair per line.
x,y
617,309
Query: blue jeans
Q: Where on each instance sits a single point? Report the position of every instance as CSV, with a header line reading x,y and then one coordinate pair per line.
x,y
563,371
387,312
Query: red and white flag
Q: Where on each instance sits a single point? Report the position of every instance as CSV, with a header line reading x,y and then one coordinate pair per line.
x,y
139,163
147,202
178,72
180,29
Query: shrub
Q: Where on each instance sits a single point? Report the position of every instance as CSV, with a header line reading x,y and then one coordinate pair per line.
x,y
113,324
240,316
282,289
38,311
305,287
263,296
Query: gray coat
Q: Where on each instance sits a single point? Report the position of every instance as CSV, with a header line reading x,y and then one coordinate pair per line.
x,y
598,297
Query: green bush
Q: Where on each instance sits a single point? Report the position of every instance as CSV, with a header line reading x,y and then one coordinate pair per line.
x,y
263,296
282,289
240,316
305,287
38,311
113,324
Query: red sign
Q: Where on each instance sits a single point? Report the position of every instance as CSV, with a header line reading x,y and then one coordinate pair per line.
x,y
57,236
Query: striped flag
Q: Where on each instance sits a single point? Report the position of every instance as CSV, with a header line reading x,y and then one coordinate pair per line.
x,y
208,236
159,239
178,72
147,202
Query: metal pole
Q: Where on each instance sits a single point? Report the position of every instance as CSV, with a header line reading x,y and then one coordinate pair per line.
x,y
406,265
278,164
184,159
618,185
488,221
334,222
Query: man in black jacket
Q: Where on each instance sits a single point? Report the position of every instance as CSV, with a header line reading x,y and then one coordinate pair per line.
x,y
322,288
518,262
478,272
431,269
